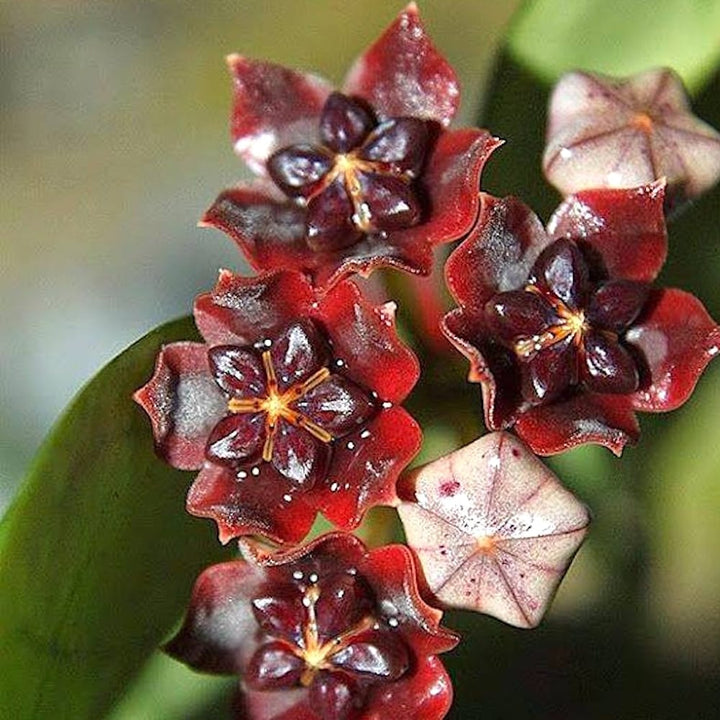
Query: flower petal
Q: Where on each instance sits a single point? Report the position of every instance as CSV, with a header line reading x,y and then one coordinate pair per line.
x,y
399,144
298,456
218,634
675,338
402,73
365,466
621,232
243,310
237,371
236,439
183,402
365,338
608,366
585,417
273,107
344,123
257,501
498,254
297,352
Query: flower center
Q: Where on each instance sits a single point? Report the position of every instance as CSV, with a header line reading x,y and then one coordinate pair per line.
x,y
347,166
572,324
643,122
278,405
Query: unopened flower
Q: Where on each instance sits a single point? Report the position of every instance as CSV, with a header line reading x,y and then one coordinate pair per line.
x,y
352,180
289,406
329,631
563,328
493,528
624,132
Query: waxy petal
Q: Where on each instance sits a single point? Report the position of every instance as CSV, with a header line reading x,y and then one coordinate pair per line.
x,y
389,203
402,73
298,456
547,375
497,255
299,170
365,467
344,123
518,314
621,232
608,367
583,418
273,666
237,371
329,224
236,439
184,404
273,107
616,304
562,270
252,501
399,144
494,529
675,338
297,352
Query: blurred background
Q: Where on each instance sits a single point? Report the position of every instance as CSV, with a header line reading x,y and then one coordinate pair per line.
x,y
115,138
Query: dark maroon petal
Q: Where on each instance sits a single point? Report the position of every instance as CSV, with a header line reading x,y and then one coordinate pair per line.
x,y
676,338
583,418
253,501
298,456
344,123
298,170
518,314
243,310
388,203
403,74
621,232
219,631
376,654
183,403
400,144
273,666
237,371
498,253
616,304
273,107
608,366
280,612
364,338
345,600
236,439
547,375
562,269
365,467
329,223
337,405
424,693
297,352
334,697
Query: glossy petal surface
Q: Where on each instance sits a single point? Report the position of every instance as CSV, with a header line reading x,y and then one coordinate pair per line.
x,y
493,528
625,132
353,619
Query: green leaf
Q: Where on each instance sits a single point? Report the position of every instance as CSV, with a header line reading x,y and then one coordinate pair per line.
x,y
618,37
97,553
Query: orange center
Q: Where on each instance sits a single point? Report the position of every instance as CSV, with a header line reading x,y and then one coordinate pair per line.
x,y
643,122
278,405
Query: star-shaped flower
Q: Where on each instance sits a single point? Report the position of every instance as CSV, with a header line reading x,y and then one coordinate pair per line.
x,y
289,407
625,132
329,631
493,528
562,326
353,180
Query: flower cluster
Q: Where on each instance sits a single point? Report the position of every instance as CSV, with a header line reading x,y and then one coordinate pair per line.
x,y
292,404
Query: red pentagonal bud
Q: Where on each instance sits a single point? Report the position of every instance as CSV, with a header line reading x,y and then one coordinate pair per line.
x,y
344,123
400,144
298,170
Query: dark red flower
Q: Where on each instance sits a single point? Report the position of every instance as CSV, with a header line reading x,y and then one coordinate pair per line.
x,y
329,631
358,179
289,407
625,132
563,328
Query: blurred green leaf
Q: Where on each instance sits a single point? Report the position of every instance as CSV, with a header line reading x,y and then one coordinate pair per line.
x,y
618,37
97,554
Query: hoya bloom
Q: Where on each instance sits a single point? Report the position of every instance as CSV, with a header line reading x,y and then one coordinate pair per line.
x,y
329,631
562,326
357,179
288,407
624,132
493,528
